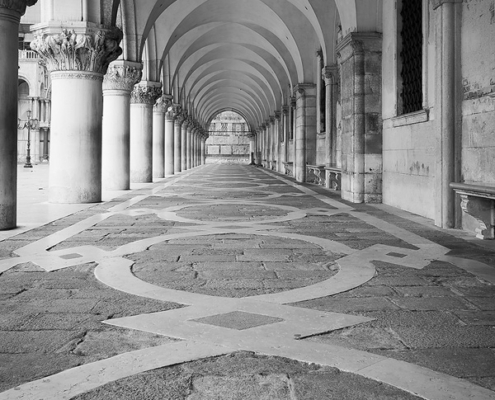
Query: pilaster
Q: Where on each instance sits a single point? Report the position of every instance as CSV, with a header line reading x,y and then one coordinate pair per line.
x,y
305,134
331,76
359,56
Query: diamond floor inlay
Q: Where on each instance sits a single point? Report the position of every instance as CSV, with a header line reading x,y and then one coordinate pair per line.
x,y
238,320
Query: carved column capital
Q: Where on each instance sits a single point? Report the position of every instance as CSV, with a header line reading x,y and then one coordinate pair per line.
x,y
81,52
293,102
122,75
331,74
18,6
278,115
174,111
285,110
162,104
144,94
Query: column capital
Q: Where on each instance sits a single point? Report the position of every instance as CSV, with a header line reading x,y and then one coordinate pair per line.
x,y
88,51
122,75
272,118
18,6
439,3
163,104
285,110
293,101
146,93
278,115
301,89
175,112
331,74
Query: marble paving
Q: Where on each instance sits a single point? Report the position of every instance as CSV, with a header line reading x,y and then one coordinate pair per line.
x,y
248,217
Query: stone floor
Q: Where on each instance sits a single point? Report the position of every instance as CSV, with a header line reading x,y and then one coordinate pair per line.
x,y
233,282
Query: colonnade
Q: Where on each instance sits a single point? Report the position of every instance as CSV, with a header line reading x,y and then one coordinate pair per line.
x,y
108,127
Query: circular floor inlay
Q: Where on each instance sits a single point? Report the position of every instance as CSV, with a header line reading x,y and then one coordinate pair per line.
x,y
234,265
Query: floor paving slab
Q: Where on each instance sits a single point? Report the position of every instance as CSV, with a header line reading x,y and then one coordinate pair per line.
x,y
177,286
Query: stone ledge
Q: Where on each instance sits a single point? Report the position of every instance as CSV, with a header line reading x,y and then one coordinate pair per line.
x,y
410,119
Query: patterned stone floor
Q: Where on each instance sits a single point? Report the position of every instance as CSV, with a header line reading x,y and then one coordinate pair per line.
x,y
233,282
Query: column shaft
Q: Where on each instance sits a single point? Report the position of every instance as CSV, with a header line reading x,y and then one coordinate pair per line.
x,y
177,148
9,28
188,147
159,143
116,140
141,143
183,136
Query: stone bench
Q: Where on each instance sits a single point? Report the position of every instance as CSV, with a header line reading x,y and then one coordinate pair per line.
x,y
478,200
289,168
315,174
333,177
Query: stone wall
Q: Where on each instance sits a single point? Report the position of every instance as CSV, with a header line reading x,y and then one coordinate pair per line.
x,y
410,143
478,80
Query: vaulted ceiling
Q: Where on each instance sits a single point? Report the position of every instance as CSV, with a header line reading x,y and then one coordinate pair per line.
x,y
241,55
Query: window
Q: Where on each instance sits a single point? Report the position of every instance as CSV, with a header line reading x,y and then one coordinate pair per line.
x,y
410,50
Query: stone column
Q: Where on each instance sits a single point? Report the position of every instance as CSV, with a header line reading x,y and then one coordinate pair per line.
x,y
203,150
292,117
143,98
285,135
195,147
118,84
278,141
446,111
183,139
305,137
10,16
158,141
331,75
171,116
359,57
189,143
77,60
176,131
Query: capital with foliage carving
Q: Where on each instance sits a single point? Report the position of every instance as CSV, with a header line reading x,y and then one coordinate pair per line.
x,y
70,51
18,6
176,113
285,110
278,115
163,104
145,94
122,76
293,102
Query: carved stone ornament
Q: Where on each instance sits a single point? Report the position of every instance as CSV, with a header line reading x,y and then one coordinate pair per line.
x,y
278,115
122,77
145,94
163,104
285,110
293,102
17,5
70,51
331,75
175,112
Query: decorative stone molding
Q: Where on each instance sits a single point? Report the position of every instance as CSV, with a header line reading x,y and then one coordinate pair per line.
x,y
122,76
70,51
145,94
272,119
76,75
278,115
285,110
438,3
17,5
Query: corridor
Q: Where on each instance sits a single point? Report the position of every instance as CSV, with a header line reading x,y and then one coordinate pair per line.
x,y
235,282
